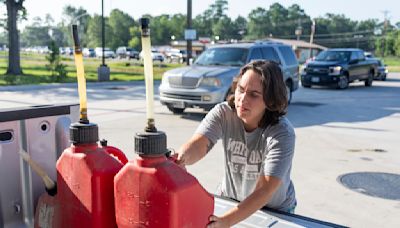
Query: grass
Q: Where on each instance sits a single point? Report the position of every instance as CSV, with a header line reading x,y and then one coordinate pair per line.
x,y
35,71
393,63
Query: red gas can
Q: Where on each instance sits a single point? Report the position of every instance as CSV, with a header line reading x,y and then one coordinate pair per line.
x,y
153,191
85,175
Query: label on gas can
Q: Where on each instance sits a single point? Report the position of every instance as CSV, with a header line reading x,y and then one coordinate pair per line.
x,y
46,213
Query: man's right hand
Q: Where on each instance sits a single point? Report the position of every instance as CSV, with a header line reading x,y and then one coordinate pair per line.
x,y
177,158
192,151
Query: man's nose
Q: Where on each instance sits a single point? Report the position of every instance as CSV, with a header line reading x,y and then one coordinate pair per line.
x,y
245,97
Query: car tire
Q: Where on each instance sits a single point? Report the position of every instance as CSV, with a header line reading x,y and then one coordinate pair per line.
x,y
289,91
176,110
370,79
306,86
383,78
343,82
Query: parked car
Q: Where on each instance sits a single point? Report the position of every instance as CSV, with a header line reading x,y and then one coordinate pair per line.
x,y
382,70
68,51
88,52
126,52
184,55
61,51
174,55
208,80
108,53
156,56
338,67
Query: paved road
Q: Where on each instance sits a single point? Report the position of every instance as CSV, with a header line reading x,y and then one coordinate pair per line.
x,y
338,132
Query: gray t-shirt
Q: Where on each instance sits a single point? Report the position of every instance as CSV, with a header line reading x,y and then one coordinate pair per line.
x,y
248,155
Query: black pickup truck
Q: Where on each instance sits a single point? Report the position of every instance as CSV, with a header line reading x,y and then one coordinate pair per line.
x,y
338,67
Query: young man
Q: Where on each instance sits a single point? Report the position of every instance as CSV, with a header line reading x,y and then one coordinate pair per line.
x,y
258,143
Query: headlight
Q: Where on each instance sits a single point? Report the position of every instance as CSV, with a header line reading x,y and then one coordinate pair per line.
x,y
386,71
335,70
303,69
210,81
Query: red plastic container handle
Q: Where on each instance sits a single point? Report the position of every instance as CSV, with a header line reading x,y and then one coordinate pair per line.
x,y
116,153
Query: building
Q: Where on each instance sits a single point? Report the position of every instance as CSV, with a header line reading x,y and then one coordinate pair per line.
x,y
304,50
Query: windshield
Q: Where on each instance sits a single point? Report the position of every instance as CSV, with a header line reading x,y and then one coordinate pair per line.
x,y
341,56
223,56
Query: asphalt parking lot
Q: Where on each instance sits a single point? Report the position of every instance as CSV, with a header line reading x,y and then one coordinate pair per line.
x,y
347,135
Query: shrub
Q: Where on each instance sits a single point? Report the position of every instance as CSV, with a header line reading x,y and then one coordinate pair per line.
x,y
57,68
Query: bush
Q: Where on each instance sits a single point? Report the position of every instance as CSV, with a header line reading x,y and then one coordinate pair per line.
x,y
58,69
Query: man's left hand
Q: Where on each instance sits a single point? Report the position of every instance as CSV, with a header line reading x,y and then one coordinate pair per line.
x,y
217,222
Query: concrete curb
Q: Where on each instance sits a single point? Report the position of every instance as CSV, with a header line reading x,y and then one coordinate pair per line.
x,y
69,85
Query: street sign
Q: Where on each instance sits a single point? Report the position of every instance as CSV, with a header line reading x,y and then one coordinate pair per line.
x,y
190,34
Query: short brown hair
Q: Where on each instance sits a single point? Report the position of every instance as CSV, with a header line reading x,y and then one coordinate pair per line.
x,y
274,90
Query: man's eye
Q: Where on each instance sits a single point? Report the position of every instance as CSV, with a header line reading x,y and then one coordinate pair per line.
x,y
254,95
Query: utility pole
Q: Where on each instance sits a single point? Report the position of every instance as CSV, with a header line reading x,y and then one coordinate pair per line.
x,y
299,29
189,26
312,37
103,72
385,24
102,31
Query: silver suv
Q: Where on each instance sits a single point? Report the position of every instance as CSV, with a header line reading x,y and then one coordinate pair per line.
x,y
207,82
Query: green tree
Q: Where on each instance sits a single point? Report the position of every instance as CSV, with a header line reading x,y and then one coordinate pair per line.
x,y
135,41
3,39
335,30
203,23
178,25
218,9
390,43
277,15
57,69
223,28
15,11
120,23
298,18
36,34
397,43
259,25
79,16
367,29
240,28
94,32
159,27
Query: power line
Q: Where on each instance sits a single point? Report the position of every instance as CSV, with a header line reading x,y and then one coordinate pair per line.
x,y
345,40
334,34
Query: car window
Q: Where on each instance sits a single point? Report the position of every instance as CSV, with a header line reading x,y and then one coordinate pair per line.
x,y
270,54
223,56
342,56
256,54
360,55
288,55
354,55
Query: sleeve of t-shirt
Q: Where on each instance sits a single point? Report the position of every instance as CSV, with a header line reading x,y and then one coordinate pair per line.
x,y
211,125
280,152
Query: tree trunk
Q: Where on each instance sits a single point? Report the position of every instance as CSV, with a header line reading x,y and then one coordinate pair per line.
x,y
14,65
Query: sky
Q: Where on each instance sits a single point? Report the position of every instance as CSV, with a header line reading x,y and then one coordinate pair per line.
x,y
353,9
